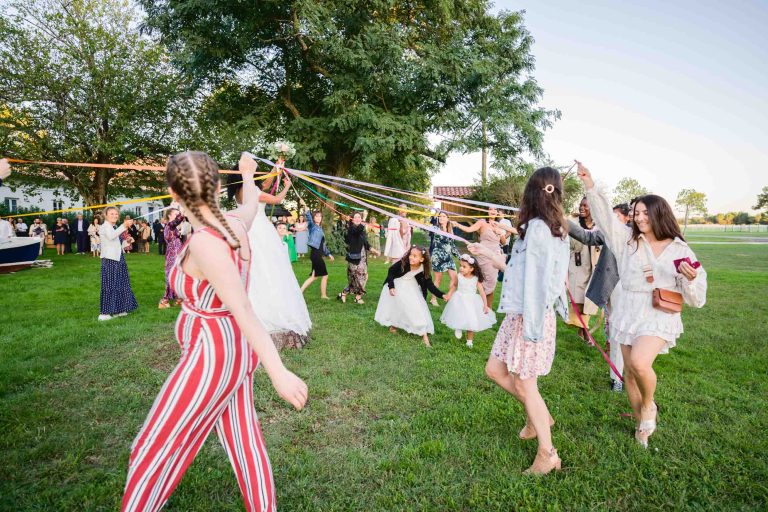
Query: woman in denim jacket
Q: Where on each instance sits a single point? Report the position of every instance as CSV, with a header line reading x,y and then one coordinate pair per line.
x,y
532,290
317,249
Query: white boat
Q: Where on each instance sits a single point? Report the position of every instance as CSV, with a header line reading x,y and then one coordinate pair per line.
x,y
18,253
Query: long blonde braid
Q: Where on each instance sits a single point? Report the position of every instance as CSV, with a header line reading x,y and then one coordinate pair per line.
x,y
194,176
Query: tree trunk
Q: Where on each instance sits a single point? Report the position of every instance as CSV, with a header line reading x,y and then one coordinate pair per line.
x,y
484,170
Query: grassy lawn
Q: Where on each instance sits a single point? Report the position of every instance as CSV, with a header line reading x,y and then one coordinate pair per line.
x,y
390,424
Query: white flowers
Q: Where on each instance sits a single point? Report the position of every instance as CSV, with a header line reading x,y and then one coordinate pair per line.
x,y
281,149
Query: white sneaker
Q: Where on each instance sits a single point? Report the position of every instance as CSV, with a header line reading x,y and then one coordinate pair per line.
x,y
469,344
457,333
105,317
122,314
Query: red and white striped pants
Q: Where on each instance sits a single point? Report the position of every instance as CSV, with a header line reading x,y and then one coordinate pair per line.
x,y
211,386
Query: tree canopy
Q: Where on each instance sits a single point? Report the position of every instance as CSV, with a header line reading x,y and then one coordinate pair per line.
x,y
627,189
359,86
78,82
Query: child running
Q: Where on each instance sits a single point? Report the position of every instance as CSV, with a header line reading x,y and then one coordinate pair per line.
x,y
403,300
467,310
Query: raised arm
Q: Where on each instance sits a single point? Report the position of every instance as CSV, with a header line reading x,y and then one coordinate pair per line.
x,y
499,260
276,199
616,234
470,229
212,254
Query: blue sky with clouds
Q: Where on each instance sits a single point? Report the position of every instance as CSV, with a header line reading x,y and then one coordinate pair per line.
x,y
674,94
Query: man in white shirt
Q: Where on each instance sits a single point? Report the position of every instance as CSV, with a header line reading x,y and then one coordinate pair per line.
x,y
39,230
21,227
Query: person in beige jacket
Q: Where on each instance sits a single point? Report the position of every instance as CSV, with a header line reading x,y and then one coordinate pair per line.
x,y
580,269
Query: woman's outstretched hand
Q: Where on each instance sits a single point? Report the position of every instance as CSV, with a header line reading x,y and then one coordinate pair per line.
x,y
291,389
247,166
584,175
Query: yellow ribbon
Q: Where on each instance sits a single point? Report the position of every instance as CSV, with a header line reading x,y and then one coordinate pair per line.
x,y
118,203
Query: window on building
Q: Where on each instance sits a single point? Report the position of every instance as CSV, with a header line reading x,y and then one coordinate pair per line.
x,y
11,204
58,204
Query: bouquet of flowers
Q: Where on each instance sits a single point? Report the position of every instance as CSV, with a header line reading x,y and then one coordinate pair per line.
x,y
281,149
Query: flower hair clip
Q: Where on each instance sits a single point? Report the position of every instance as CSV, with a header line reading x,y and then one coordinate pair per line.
x,y
549,188
469,259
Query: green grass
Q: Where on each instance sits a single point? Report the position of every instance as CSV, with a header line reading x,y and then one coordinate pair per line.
x,y
390,425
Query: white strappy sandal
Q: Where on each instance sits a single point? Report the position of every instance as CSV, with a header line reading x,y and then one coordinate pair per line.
x,y
646,429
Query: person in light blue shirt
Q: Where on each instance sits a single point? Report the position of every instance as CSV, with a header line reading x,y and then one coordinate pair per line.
x,y
532,291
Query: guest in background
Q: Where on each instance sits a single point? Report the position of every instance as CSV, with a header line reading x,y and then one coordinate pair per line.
x,y
622,213
319,248
583,261
374,240
287,238
81,234
22,230
173,219
443,252
301,231
60,234
70,235
133,231
357,259
39,230
93,233
145,233
158,227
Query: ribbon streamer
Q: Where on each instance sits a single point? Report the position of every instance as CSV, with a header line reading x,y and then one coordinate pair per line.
x,y
383,187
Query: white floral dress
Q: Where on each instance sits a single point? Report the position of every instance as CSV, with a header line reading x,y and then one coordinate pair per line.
x,y
633,314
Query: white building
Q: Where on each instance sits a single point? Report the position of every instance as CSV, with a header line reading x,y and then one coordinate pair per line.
x,y
55,199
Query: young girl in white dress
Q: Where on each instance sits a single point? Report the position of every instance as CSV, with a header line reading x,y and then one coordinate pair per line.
x,y
403,300
467,309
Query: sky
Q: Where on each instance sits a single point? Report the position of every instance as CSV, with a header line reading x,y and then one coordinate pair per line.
x,y
673,94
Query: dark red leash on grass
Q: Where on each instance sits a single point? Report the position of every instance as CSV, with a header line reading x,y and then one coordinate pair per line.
x,y
591,339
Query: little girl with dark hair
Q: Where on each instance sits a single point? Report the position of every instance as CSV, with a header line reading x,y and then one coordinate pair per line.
x,y
403,300
468,310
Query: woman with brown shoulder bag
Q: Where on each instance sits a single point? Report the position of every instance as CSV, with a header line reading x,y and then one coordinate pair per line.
x,y
658,272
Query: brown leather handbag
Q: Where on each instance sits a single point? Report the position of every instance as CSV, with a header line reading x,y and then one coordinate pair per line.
x,y
668,301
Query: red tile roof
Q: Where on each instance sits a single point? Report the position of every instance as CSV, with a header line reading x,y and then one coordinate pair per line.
x,y
453,191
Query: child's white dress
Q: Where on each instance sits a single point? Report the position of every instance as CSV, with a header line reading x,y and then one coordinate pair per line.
x,y
408,309
464,312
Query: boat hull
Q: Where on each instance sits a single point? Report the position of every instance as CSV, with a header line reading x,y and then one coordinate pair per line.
x,y
18,254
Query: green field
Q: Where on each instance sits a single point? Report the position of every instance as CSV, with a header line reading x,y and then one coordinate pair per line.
x,y
390,425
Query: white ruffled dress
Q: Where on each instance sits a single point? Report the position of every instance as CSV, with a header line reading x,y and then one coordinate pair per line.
x,y
632,313
464,312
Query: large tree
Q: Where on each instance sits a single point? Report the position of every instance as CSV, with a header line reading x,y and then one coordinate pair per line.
x,y
690,201
78,82
359,86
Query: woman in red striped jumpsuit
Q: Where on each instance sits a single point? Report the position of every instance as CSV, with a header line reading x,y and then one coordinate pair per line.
x,y
222,342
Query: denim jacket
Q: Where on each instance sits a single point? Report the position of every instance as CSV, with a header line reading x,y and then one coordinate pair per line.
x,y
534,280
316,235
